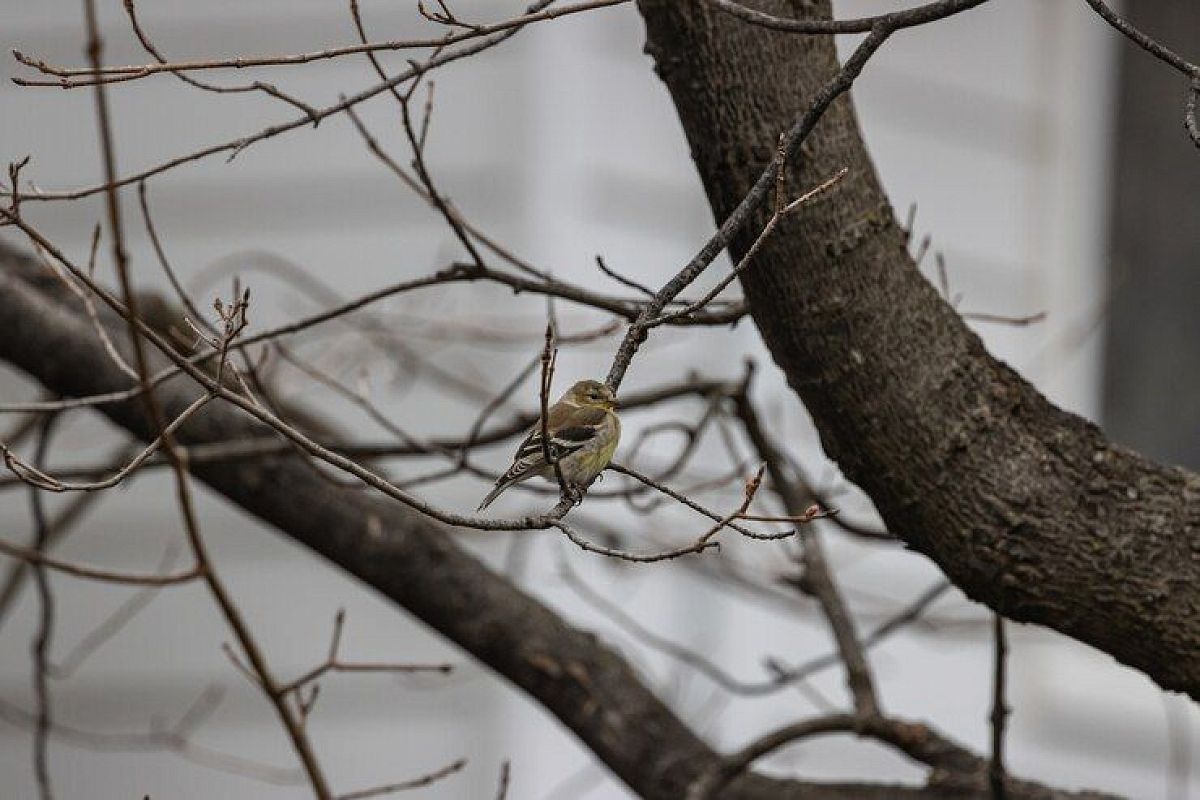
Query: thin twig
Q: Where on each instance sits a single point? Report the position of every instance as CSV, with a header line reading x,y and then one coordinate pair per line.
x,y
636,558
236,146
740,216
816,576
1162,53
92,573
906,616
549,355
782,210
751,488
175,738
1000,710
59,526
113,624
45,630
918,741
456,273
1001,319
621,279
692,504
896,20
412,183
881,28
256,447
156,54
87,76
40,479
415,783
234,321
161,254
333,663
683,655
473,434
502,789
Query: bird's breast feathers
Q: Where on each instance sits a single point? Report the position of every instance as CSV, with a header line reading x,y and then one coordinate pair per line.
x,y
592,453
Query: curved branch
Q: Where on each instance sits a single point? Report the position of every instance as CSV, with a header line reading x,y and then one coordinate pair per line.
x,y
1026,507
73,77
413,561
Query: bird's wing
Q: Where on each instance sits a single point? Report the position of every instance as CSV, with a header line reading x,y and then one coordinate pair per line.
x,y
573,428
570,429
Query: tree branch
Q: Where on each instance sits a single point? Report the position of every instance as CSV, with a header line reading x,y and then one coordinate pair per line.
x,y
413,561
1026,507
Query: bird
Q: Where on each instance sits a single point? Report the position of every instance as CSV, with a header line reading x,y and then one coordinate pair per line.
x,y
584,431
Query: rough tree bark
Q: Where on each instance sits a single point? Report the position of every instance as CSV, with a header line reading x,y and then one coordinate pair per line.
x,y
1026,507
414,562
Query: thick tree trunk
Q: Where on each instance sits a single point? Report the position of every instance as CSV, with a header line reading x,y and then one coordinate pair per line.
x,y
1027,508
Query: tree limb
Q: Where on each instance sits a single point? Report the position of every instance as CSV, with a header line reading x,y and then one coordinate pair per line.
x,y
1026,507
414,562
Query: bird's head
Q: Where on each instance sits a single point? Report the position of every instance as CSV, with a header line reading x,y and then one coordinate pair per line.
x,y
591,393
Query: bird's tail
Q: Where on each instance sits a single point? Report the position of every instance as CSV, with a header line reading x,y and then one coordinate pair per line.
x,y
496,491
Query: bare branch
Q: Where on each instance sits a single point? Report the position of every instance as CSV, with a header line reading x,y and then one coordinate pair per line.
x,y
896,20
236,146
782,209
1164,54
149,47
91,573
175,738
87,76
333,663
40,648
1000,710
234,321
111,625
789,142
415,783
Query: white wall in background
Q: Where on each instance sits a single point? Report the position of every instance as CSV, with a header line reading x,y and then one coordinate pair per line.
x,y
563,144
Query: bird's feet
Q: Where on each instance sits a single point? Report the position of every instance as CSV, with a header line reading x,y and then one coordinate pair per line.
x,y
574,493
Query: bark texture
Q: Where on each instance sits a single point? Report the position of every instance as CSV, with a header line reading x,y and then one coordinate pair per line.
x,y
416,564
1026,507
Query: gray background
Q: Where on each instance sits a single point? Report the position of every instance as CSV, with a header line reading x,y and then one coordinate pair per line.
x,y
999,124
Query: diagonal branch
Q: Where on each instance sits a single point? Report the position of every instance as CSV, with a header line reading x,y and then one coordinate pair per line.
x,y
411,560
1027,508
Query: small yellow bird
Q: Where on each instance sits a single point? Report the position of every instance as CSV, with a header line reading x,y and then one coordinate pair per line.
x,y
584,431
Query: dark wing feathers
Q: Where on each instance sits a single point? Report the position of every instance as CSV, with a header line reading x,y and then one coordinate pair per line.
x,y
585,422
576,433
565,441
530,454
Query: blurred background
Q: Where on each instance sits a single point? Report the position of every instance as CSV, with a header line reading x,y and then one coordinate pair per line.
x,y
1046,161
